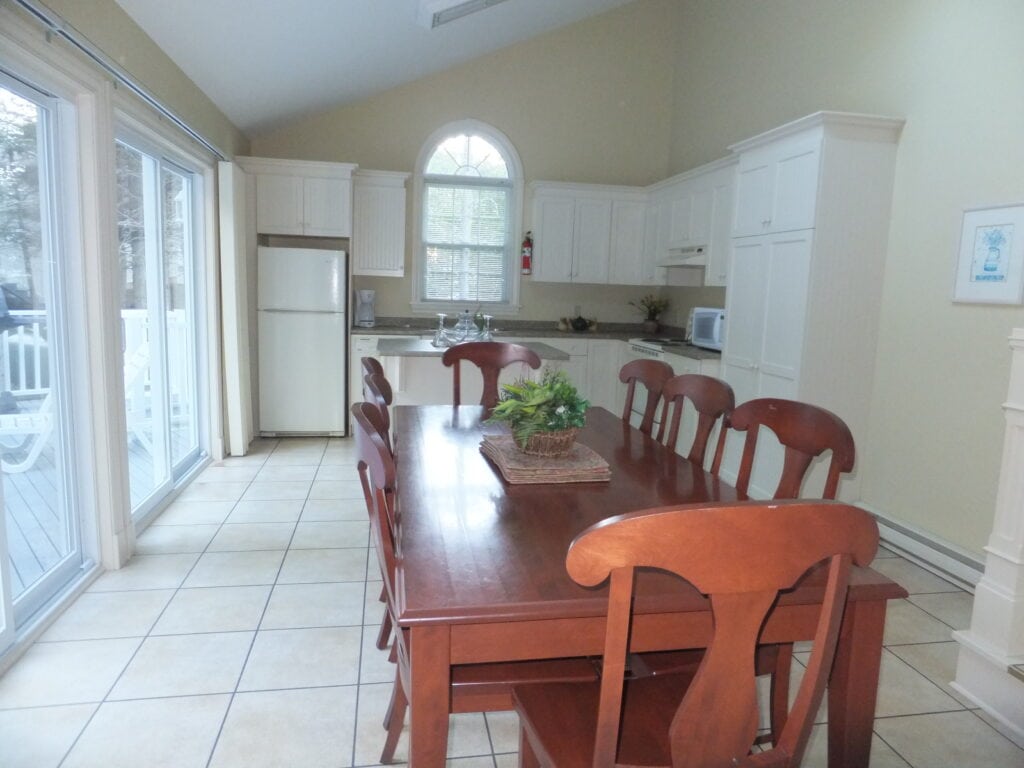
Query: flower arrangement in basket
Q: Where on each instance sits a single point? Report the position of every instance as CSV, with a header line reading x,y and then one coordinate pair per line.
x,y
544,416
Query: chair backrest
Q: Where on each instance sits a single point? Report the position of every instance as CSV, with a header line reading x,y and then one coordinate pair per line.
x,y
805,431
377,392
652,374
711,398
740,557
490,357
376,468
371,365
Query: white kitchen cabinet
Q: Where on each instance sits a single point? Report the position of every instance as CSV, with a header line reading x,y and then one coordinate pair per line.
x,y
591,240
603,366
805,275
587,233
776,185
365,345
302,198
553,223
378,223
694,212
627,264
576,367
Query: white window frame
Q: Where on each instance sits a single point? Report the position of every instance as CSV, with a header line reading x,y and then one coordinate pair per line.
x,y
515,217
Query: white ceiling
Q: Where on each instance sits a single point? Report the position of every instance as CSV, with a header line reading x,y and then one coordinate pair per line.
x,y
264,63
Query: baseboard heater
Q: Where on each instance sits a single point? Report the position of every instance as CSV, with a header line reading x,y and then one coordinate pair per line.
x,y
931,553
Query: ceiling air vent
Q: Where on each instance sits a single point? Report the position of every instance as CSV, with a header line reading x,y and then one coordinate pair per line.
x,y
434,13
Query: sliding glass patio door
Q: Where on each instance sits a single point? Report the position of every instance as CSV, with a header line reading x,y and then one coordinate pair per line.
x,y
40,545
156,228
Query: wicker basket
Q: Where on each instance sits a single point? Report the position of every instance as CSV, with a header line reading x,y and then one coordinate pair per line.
x,y
551,444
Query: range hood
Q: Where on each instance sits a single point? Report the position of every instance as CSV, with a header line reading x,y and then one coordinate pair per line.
x,y
433,13
690,256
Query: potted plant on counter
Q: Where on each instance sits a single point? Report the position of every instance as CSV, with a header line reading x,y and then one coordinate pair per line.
x,y
651,307
544,416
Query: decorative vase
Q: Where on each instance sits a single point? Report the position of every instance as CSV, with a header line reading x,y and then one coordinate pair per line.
x,y
651,327
550,444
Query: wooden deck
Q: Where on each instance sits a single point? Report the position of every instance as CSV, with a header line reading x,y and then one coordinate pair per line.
x,y
37,537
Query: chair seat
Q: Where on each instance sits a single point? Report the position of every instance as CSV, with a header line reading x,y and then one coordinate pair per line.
x,y
562,719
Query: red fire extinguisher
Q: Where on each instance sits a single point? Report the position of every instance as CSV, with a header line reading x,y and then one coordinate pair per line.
x,y
528,254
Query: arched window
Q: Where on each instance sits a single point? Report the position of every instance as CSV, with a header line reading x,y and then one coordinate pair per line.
x,y
470,188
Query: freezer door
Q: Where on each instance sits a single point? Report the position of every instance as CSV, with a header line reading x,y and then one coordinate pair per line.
x,y
302,372
301,279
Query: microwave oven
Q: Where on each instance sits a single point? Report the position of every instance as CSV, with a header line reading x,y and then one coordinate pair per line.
x,y
707,327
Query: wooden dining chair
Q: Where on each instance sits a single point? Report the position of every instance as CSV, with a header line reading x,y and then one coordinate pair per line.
x,y
475,687
740,557
652,374
712,399
370,418
805,431
377,392
371,365
490,357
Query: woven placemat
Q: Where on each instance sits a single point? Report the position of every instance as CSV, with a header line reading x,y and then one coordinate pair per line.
x,y
580,465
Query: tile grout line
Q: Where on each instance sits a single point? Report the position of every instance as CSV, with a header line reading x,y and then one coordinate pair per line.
x,y
256,631
142,641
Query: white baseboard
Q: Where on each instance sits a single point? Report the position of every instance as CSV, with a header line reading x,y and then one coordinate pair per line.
x,y
928,550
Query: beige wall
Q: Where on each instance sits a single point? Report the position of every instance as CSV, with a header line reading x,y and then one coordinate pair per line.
x,y
111,30
587,103
953,69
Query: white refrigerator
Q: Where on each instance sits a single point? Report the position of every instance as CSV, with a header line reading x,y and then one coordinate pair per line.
x,y
302,327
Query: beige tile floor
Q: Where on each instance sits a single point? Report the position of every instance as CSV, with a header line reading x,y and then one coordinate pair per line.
x,y
242,634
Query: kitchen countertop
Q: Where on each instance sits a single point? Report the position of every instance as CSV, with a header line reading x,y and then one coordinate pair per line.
x,y
398,326
423,348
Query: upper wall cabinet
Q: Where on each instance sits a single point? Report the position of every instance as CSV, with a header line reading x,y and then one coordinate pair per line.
x,y
776,186
694,212
378,224
588,233
295,197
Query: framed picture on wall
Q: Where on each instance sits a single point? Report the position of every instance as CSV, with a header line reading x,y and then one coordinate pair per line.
x,y
990,264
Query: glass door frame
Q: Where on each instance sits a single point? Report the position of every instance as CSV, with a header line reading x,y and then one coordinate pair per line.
x,y
55,123
156,158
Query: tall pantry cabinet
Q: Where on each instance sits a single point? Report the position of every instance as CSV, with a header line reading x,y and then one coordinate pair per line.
x,y
810,232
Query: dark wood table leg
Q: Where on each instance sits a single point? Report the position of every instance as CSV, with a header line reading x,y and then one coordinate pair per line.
x,y
854,684
428,702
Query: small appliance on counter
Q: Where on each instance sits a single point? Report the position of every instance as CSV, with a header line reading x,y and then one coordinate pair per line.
x,y
707,327
366,317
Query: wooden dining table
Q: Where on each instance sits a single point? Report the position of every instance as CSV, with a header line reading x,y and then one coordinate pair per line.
x,y
482,571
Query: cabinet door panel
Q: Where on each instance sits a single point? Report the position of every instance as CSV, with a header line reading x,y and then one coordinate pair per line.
x,y
680,218
785,290
327,206
592,241
627,265
378,231
744,316
553,226
717,270
702,208
796,186
603,374
279,204
753,194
